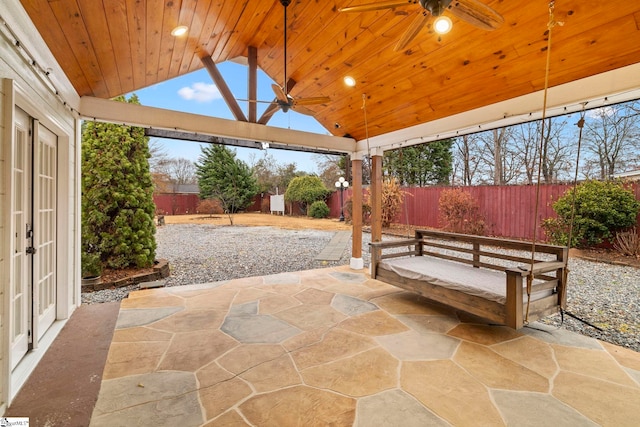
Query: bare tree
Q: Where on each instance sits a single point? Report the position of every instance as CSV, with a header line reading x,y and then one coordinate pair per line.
x,y
552,146
331,167
502,163
612,137
468,155
528,135
179,170
158,154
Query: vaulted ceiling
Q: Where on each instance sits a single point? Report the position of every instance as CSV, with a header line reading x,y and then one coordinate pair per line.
x,y
112,47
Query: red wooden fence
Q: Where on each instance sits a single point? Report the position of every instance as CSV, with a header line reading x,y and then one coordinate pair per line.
x,y
176,204
185,204
508,211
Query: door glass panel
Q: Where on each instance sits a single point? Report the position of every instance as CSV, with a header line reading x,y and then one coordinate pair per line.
x,y
44,229
20,294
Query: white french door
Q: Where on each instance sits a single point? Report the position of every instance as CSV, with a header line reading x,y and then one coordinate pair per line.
x,y
33,289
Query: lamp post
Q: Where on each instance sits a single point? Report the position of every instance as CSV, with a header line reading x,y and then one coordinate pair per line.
x,y
341,184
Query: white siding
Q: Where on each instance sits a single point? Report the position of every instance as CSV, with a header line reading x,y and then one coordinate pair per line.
x,y
3,248
23,85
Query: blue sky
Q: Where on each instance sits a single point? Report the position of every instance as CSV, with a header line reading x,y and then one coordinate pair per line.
x,y
196,93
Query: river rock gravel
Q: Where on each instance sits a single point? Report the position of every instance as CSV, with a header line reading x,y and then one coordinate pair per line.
x,y
605,295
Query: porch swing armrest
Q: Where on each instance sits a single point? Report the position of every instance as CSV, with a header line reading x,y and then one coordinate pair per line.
x,y
393,243
542,267
375,248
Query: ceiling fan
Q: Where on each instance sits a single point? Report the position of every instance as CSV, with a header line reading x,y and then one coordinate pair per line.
x,y
471,11
283,99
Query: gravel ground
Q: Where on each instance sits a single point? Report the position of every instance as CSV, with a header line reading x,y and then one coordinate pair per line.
x,y
604,295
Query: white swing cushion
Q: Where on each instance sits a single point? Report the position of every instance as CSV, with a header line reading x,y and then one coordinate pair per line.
x,y
480,282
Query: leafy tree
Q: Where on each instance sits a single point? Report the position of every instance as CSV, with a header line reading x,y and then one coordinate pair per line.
x,y
420,165
306,190
117,195
601,209
221,176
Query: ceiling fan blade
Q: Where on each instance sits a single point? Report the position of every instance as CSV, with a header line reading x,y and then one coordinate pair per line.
x,y
303,110
413,30
376,6
311,101
280,93
477,14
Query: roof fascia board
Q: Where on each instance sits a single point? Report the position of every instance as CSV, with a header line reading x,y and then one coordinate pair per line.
x,y
104,110
620,85
16,19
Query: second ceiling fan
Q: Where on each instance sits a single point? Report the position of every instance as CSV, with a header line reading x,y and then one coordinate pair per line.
x,y
471,11
283,99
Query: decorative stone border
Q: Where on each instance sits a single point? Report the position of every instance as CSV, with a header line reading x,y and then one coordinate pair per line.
x,y
160,271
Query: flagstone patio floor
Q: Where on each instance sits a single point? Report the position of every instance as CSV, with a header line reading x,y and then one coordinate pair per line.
x,y
334,347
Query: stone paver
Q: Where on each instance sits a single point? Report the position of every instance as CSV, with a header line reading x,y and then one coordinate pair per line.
x,y
336,247
394,408
334,347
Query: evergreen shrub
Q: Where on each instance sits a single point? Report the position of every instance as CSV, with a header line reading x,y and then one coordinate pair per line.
x,y
319,209
117,196
602,208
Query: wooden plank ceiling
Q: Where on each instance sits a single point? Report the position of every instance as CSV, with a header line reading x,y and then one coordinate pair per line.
x,y
112,47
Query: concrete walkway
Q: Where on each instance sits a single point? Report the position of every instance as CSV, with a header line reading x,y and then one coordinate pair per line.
x,y
63,389
336,247
334,347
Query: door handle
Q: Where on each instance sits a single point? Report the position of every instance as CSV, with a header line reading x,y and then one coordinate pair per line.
x,y
31,250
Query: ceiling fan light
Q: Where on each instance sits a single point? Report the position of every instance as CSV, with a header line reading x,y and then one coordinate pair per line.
x,y
180,30
349,81
442,24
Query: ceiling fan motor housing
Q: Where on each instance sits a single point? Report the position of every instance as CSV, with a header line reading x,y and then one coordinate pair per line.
x,y
435,7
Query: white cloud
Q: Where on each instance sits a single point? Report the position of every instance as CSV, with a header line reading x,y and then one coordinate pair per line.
x,y
606,111
200,92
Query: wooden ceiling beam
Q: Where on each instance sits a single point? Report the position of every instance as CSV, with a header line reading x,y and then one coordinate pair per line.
x,y
106,110
224,89
269,112
252,84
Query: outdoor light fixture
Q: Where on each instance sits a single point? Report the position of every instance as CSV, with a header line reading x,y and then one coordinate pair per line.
x,y
442,24
180,30
342,184
349,81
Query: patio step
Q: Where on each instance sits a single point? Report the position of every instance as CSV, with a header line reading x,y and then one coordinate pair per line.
x,y
152,285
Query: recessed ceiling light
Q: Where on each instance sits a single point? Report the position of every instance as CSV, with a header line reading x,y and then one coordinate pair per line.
x,y
349,81
442,24
179,31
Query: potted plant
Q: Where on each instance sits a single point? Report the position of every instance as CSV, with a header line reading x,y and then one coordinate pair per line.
x,y
91,268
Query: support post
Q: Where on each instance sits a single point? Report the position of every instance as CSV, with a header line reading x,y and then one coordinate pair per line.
x,y
376,197
514,306
357,263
